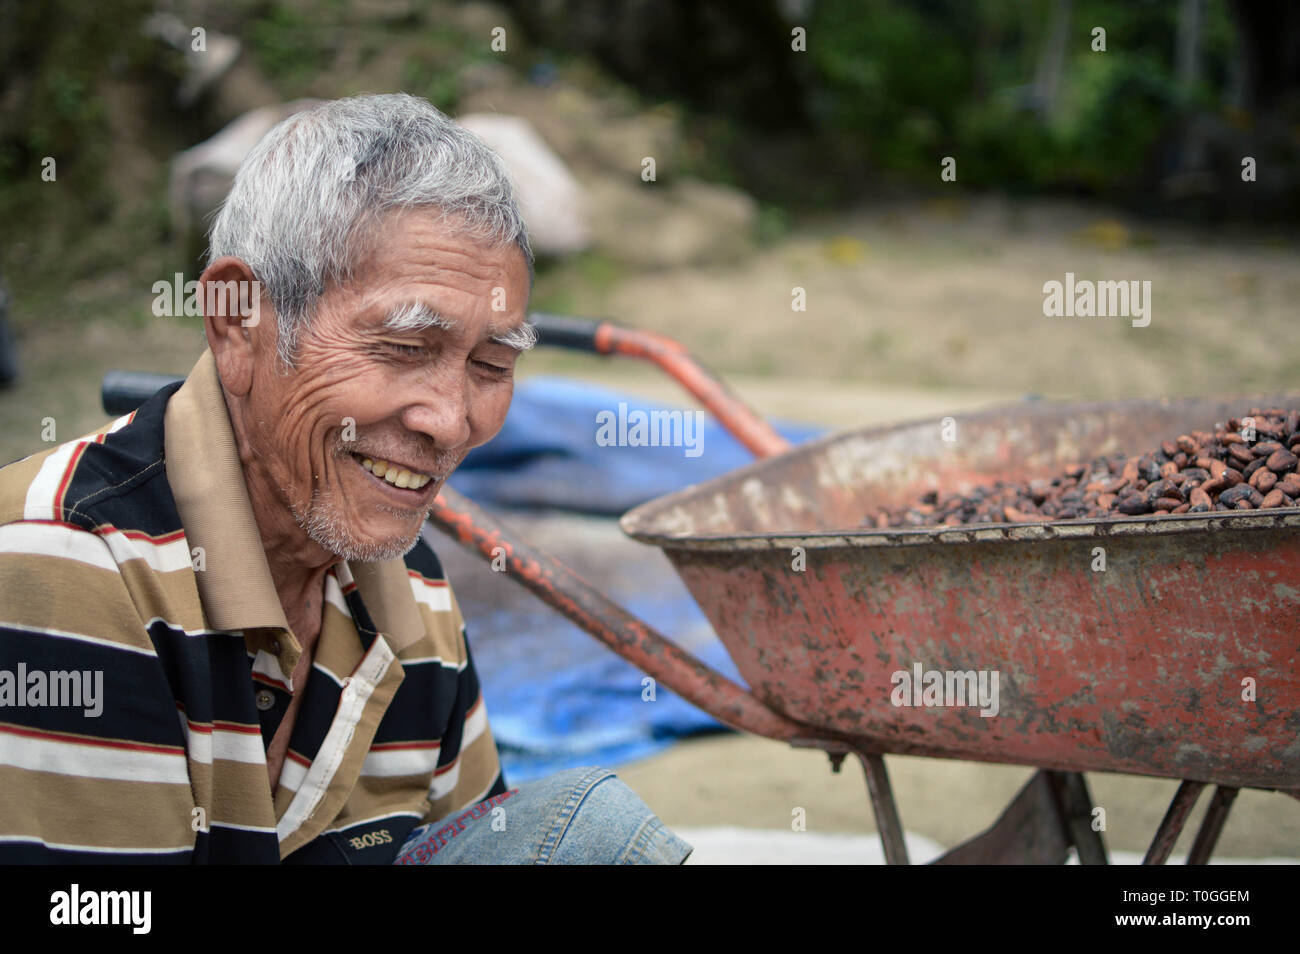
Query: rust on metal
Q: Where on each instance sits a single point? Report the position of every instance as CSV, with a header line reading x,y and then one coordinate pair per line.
x,y
1172,824
1212,825
638,643
1148,666
884,808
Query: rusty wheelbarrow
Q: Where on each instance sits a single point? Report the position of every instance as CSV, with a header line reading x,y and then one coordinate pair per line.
x,y
1163,646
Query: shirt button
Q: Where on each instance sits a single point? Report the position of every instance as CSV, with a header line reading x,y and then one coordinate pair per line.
x,y
264,699
274,647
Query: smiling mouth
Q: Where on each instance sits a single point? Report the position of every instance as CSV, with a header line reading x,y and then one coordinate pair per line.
x,y
394,474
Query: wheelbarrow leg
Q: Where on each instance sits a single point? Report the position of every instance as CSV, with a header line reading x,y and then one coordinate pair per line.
x,y
1074,805
884,807
1212,825
1172,824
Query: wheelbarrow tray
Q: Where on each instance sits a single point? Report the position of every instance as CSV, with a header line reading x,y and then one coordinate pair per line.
x,y
1181,658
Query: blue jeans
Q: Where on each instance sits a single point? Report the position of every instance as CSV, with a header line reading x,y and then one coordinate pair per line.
x,y
583,816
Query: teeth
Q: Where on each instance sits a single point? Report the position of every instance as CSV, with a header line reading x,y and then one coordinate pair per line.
x,y
397,476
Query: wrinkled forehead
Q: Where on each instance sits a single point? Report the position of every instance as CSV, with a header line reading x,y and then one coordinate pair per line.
x,y
433,240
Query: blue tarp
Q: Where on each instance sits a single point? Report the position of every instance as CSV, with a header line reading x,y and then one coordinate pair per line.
x,y
547,454
557,698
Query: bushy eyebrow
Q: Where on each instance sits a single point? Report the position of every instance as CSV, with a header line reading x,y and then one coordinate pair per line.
x,y
521,338
417,316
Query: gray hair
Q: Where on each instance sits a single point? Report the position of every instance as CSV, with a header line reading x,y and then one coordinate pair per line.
x,y
309,194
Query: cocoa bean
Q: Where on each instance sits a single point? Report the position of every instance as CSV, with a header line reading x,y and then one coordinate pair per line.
x,y
1281,460
1159,489
1133,504
1263,480
1199,472
1215,485
1233,494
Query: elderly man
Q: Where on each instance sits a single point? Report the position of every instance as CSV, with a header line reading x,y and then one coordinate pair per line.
x,y
222,637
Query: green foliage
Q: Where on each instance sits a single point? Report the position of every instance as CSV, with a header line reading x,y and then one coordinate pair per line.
x,y
435,70
292,47
885,68
773,224
53,58
913,82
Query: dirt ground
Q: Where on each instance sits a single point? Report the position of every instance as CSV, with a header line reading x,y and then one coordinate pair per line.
x,y
755,783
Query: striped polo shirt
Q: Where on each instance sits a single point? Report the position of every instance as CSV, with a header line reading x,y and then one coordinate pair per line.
x,y
145,661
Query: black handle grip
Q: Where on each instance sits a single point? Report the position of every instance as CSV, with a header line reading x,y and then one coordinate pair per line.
x,y
124,391
562,331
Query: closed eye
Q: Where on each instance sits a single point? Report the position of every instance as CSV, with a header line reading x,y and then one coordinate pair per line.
x,y
407,349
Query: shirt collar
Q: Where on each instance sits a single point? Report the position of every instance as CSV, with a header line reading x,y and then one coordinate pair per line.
x,y
207,482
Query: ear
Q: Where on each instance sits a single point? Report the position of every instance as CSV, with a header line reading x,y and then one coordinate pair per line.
x,y
238,320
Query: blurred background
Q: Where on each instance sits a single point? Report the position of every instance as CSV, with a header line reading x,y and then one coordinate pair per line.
x,y
685,167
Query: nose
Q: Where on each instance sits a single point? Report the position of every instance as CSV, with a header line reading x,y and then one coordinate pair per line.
x,y
439,409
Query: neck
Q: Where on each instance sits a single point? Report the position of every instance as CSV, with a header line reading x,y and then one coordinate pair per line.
x,y
298,564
